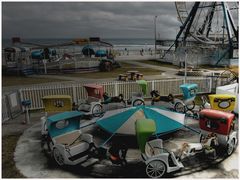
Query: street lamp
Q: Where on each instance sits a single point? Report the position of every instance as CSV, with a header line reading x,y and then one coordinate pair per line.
x,y
155,36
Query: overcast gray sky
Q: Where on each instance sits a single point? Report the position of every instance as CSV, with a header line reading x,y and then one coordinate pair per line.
x,y
85,19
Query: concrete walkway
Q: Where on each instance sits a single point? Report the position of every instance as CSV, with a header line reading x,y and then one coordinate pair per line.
x,y
134,57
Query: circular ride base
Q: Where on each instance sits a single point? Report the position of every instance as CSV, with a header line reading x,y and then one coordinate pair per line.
x,y
194,72
33,162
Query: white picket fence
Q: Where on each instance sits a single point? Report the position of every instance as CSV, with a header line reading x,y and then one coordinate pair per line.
x,y
5,112
78,92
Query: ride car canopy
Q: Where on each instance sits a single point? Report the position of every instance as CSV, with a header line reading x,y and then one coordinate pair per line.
x,y
143,85
189,90
63,123
101,53
222,102
216,121
144,129
57,103
88,50
94,90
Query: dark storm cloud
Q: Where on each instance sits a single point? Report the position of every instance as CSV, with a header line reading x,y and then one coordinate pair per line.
x,y
84,19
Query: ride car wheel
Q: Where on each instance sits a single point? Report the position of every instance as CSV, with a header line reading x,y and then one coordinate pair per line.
x,y
155,169
230,147
97,110
179,107
138,102
58,157
191,105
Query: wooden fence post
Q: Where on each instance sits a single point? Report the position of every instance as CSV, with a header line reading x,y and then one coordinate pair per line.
x,y
74,93
153,85
116,89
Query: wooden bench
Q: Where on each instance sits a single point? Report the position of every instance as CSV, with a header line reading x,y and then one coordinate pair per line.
x,y
123,77
139,76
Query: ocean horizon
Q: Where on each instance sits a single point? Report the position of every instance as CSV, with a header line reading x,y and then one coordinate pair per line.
x,y
115,41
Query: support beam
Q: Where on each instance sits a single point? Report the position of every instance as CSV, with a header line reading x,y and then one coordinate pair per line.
x,y
189,18
194,11
232,24
227,23
210,19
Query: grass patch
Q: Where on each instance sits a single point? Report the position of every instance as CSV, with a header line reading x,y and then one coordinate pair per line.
x,y
158,63
114,73
9,169
21,80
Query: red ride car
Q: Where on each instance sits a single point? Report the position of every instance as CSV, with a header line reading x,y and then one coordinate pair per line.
x,y
222,124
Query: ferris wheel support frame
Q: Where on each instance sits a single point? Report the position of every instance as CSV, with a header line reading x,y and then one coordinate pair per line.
x,y
210,18
230,26
188,23
228,20
227,23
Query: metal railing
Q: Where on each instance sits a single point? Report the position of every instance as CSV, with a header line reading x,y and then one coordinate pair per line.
x,y
78,92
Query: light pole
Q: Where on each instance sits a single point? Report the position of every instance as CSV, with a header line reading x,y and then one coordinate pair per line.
x,y
155,36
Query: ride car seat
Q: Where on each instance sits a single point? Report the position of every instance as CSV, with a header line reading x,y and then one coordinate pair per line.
x,y
153,148
73,139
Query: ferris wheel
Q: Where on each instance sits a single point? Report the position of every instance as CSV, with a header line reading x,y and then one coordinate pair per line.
x,y
208,22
